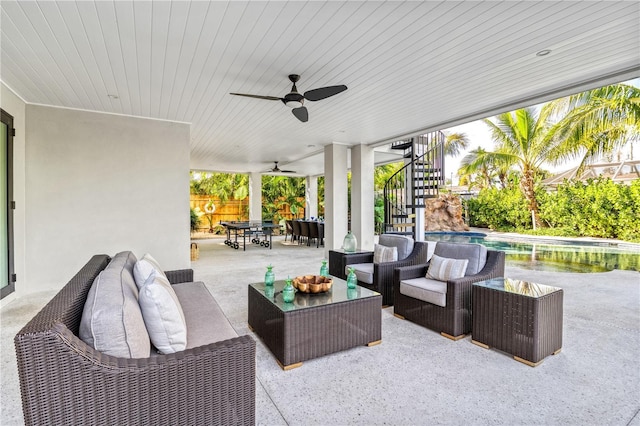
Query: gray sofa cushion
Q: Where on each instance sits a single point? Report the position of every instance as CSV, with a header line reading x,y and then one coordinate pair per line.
x,y
427,290
111,320
475,253
403,243
364,271
206,323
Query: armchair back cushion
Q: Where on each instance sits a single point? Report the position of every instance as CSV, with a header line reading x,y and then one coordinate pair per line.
x,y
112,321
475,253
403,244
443,269
384,254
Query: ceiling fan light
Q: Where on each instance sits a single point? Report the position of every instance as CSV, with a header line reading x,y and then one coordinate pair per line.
x,y
293,104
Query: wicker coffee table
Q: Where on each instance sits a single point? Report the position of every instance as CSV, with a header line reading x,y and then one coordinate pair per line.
x,y
314,324
521,318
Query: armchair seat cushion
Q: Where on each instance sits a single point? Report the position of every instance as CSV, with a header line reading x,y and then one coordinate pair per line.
x,y
364,271
425,289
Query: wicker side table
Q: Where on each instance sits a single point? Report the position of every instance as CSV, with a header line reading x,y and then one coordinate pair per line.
x,y
521,318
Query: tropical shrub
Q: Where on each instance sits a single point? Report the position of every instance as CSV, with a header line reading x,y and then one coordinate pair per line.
x,y
596,208
500,209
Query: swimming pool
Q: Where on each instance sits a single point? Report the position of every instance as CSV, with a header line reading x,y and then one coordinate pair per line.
x,y
558,256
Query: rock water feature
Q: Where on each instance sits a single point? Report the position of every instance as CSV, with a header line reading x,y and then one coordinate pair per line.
x,y
444,214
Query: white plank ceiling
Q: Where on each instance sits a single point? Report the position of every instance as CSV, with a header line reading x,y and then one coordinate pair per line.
x,y
409,66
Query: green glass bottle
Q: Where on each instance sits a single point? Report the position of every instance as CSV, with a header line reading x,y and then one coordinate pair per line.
x,y
352,280
269,276
324,269
288,292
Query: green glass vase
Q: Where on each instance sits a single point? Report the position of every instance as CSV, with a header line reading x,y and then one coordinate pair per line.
x,y
349,243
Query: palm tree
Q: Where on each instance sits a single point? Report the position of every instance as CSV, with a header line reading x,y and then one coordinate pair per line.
x,y
454,143
477,168
594,123
521,143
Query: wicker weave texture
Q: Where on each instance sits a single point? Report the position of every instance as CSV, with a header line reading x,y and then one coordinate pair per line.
x,y
455,318
527,327
300,335
65,382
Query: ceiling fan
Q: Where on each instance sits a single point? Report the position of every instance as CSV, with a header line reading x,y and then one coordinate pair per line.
x,y
295,100
276,169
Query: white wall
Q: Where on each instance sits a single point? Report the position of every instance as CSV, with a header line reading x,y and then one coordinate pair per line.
x,y
102,183
15,107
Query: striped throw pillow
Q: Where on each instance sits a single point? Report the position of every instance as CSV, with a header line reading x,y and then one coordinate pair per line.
x,y
444,269
383,254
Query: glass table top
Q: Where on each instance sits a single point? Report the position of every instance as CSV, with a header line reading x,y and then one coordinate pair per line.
x,y
338,293
525,288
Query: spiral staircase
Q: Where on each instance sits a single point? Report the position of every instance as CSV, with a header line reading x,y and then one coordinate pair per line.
x,y
421,177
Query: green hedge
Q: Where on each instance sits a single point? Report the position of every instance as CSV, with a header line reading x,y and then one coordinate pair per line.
x,y
596,208
500,209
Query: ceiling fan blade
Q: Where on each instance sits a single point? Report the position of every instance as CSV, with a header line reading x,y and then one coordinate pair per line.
x,y
269,98
301,114
324,92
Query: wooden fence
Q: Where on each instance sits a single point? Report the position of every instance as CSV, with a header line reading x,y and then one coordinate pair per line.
x,y
232,210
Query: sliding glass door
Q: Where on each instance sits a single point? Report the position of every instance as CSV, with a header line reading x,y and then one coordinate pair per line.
x,y
7,277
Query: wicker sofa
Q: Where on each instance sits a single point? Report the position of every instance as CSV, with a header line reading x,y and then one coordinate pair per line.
x,y
63,380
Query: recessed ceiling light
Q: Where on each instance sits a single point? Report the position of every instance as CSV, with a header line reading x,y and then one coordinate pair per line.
x,y
310,146
544,52
113,96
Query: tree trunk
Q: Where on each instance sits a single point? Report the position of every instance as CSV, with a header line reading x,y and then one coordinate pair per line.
x,y
527,184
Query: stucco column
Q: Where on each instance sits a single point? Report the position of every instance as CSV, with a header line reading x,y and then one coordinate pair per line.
x,y
311,197
362,196
255,197
335,196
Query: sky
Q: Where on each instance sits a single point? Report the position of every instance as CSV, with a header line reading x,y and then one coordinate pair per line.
x,y
480,137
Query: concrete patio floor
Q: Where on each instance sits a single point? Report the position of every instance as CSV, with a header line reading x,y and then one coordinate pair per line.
x,y
416,376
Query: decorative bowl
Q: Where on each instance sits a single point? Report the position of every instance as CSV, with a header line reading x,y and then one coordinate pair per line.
x,y
312,283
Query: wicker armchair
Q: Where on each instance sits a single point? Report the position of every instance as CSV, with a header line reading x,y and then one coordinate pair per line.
x,y
383,272
63,381
454,319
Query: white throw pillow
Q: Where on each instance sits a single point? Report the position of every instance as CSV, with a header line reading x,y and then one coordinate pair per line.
x,y
163,315
144,267
444,269
383,254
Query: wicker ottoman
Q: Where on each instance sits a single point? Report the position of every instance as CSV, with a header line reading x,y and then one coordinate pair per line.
x,y
521,318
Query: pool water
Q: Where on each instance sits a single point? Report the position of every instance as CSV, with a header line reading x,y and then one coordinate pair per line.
x,y
560,256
